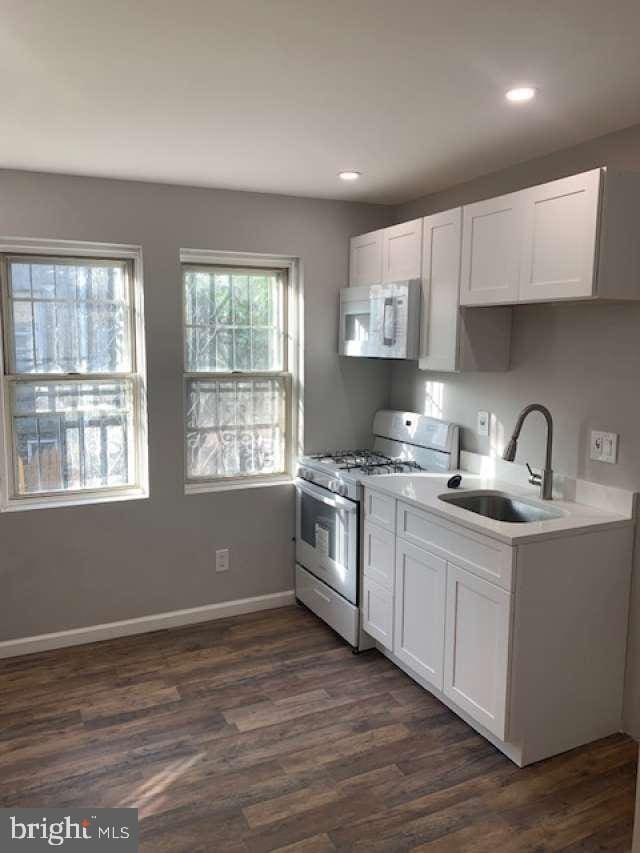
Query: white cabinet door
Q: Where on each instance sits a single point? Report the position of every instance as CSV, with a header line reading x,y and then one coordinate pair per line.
x,y
365,259
379,554
377,612
402,251
491,248
560,235
419,611
477,636
441,244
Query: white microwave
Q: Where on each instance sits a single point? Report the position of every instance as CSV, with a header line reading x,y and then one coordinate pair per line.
x,y
380,320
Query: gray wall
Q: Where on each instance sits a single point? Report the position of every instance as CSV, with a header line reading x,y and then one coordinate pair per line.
x,y
583,361
71,567
67,568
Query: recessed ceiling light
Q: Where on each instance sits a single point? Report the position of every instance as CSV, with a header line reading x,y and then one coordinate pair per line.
x,y
521,94
349,175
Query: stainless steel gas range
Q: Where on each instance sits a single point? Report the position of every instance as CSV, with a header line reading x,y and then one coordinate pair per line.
x,y
330,489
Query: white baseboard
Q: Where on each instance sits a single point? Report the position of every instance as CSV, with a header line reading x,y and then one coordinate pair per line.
x,y
144,624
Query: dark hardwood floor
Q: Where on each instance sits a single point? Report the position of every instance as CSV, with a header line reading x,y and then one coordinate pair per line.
x,y
264,732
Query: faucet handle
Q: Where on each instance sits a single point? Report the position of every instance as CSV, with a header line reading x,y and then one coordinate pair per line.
x,y
534,479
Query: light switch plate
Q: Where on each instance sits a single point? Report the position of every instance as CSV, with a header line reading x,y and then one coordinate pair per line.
x,y
604,446
222,560
483,423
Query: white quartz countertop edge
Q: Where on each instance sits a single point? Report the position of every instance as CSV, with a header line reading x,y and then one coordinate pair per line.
x,y
423,490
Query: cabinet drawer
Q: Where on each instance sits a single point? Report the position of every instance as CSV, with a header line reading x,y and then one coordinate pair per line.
x,y
380,509
379,554
377,612
477,554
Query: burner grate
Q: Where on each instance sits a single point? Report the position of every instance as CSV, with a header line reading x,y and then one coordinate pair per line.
x,y
349,459
391,466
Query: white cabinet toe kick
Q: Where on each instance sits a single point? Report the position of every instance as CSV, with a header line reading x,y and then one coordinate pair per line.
x,y
525,643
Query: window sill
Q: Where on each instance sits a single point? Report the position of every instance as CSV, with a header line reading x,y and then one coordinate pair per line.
x,y
22,504
236,485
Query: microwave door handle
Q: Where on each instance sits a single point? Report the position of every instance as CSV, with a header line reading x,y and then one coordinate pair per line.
x,y
327,498
388,322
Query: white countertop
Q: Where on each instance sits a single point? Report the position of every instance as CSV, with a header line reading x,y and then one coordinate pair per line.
x,y
423,490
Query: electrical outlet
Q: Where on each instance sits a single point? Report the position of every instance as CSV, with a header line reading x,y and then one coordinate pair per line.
x,y
604,446
222,560
483,423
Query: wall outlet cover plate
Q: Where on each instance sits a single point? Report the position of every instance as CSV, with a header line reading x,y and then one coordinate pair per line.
x,y
483,423
604,447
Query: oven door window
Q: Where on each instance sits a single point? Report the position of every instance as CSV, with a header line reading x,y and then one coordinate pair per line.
x,y
327,539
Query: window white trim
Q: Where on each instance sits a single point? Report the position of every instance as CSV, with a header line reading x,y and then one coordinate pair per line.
x,y
76,249
295,360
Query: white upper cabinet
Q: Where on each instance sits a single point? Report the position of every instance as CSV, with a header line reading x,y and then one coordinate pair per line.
x,y
491,249
402,251
560,235
570,239
365,259
442,238
452,339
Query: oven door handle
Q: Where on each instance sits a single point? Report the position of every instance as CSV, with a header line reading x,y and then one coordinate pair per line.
x,y
326,497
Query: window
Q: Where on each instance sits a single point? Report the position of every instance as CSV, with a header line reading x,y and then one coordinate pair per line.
x,y
239,371
73,384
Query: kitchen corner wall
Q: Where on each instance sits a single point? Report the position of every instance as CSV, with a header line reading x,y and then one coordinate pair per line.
x,y
80,566
582,361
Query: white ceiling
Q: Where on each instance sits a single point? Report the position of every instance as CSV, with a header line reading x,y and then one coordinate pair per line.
x,y
279,95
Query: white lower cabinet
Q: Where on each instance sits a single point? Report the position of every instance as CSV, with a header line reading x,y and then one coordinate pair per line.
x,y
450,625
377,612
379,553
526,642
419,611
476,667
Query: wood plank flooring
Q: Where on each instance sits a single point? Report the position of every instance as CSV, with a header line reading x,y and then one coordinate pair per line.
x,y
264,732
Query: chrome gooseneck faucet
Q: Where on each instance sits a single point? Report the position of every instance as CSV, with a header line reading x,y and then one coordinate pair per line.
x,y
545,480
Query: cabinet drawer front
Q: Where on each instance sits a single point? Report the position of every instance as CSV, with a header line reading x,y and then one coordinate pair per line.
x,y
377,612
477,554
380,509
478,627
379,555
418,638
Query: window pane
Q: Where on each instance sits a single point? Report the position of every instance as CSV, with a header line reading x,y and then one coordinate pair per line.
x,y
72,435
235,428
69,317
233,320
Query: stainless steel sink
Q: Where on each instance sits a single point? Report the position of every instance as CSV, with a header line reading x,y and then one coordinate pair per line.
x,y
500,507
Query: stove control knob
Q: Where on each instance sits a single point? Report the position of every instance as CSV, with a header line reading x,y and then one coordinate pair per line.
x,y
306,474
